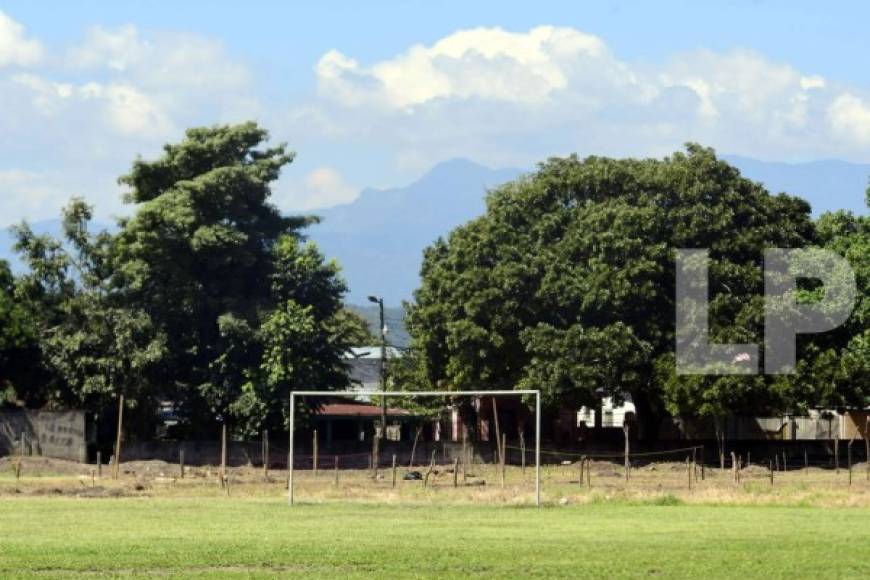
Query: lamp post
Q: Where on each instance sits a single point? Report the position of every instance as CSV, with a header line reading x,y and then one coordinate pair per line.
x,y
380,302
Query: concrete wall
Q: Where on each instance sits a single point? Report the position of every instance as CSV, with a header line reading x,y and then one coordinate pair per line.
x,y
855,424
60,434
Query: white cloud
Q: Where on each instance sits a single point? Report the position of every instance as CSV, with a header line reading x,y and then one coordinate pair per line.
x,y
504,97
849,116
30,194
134,113
87,110
178,60
15,48
116,49
321,188
481,63
124,109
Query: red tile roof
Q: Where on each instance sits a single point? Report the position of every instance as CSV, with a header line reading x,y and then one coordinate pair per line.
x,y
357,410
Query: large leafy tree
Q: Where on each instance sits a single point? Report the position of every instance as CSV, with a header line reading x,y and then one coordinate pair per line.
x,y
206,296
20,372
840,360
567,282
94,346
225,278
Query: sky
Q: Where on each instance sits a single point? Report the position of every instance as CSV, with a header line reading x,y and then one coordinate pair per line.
x,y
373,94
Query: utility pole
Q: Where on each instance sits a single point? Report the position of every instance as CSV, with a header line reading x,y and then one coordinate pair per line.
x,y
383,329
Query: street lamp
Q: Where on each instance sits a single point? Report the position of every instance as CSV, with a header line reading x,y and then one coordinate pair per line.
x,y
380,302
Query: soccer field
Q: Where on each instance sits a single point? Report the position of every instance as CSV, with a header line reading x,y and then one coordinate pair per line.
x,y
263,537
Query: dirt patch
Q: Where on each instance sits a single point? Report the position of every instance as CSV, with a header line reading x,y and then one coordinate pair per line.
x,y
44,466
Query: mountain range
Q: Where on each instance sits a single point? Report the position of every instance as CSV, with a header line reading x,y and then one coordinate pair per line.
x,y
379,238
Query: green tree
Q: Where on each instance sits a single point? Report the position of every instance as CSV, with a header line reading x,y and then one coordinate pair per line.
x,y
840,360
94,345
20,371
219,270
567,282
206,296
354,328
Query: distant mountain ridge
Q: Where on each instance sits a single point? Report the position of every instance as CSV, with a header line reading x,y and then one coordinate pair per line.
x,y
828,185
379,238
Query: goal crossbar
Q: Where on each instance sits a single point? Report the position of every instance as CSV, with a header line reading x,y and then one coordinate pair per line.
x,y
385,394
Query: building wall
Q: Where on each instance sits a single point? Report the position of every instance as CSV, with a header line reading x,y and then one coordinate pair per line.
x,y
855,425
60,434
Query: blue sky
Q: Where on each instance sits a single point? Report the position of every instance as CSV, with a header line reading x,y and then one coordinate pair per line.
x,y
373,94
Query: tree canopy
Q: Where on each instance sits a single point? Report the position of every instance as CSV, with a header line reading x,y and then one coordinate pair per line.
x,y
567,284
206,296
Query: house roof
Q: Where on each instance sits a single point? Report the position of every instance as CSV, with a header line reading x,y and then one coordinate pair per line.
x,y
371,352
357,410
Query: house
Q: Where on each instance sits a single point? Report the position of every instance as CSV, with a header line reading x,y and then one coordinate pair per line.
x,y
364,366
356,419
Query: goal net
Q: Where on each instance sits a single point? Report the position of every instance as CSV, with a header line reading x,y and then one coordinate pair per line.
x,y
395,440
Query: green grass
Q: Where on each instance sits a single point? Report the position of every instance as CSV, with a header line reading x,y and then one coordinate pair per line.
x,y
264,537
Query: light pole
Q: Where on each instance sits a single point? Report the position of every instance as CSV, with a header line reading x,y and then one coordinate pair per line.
x,y
380,302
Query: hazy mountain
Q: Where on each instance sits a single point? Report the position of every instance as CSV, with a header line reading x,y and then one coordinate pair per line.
x,y
379,238
828,185
394,319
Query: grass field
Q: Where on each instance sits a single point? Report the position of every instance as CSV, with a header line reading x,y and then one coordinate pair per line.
x,y
251,537
58,520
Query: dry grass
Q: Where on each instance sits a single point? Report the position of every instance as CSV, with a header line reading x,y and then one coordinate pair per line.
x,y
662,483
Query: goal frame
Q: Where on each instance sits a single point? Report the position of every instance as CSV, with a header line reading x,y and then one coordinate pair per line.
x,y
386,394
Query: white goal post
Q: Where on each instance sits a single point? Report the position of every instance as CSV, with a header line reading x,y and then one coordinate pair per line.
x,y
386,394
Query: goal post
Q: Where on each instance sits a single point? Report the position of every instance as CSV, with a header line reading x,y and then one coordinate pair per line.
x,y
387,394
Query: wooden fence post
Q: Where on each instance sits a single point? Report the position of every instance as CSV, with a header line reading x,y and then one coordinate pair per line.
x,y
523,451
265,454
465,460
689,471
431,469
867,449
771,473
99,464
502,454
223,453
314,447
734,467
117,462
414,446
867,446
394,470
375,455
455,472
625,435
497,430
335,477
784,461
849,459
837,454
